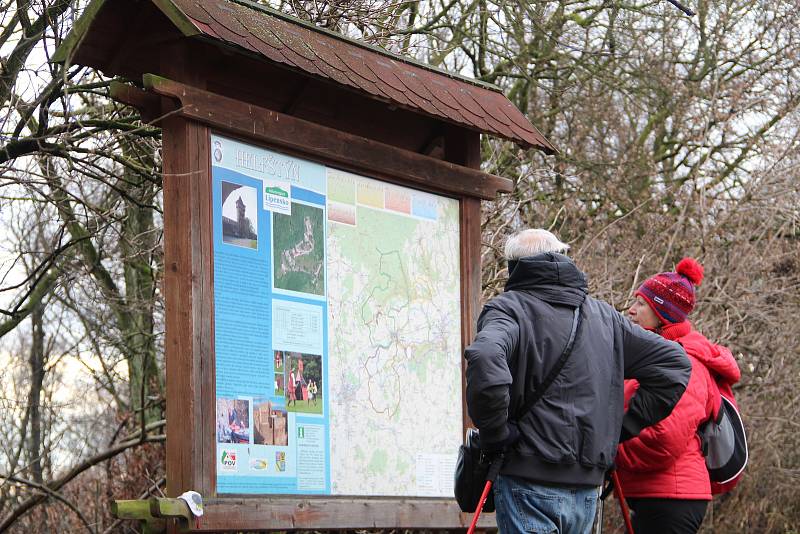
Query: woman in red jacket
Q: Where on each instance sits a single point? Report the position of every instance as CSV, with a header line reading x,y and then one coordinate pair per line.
x,y
662,470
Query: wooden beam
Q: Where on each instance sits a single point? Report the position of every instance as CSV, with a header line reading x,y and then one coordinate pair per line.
x,y
131,509
177,17
138,510
150,105
434,147
275,513
297,96
169,508
327,145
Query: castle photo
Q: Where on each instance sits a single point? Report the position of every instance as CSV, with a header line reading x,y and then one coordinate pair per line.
x,y
239,215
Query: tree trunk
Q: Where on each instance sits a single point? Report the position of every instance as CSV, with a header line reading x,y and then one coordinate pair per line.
x,y
139,240
37,361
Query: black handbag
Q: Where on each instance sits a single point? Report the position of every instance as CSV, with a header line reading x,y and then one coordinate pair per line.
x,y
472,472
473,468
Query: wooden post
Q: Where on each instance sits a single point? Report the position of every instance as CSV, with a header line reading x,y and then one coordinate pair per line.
x,y
188,283
464,148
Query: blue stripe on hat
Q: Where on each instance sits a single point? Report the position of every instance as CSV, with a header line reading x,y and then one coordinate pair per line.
x,y
665,309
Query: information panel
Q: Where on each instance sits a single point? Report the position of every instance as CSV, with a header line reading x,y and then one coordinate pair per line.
x,y
337,330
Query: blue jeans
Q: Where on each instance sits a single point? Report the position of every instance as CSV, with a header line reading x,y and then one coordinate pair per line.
x,y
524,506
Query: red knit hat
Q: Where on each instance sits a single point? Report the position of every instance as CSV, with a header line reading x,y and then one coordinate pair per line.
x,y
671,295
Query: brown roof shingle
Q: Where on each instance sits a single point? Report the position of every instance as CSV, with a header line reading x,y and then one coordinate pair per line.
x,y
377,73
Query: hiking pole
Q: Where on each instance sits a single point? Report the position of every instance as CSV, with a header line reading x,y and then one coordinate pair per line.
x,y
494,470
478,510
623,506
606,490
598,527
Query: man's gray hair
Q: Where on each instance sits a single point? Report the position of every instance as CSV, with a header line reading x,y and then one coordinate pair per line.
x,y
531,242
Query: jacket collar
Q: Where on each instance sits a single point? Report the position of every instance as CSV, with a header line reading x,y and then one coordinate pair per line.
x,y
674,331
551,277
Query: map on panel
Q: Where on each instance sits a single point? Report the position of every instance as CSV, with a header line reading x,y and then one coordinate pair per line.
x,y
395,368
337,330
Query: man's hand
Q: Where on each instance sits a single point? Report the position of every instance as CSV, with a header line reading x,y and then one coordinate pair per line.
x,y
497,447
608,483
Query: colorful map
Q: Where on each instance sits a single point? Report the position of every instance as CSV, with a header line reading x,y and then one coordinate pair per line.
x,y
395,358
337,341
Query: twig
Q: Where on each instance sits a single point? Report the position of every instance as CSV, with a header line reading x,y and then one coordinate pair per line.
x,y
682,7
55,485
44,489
636,277
678,226
615,221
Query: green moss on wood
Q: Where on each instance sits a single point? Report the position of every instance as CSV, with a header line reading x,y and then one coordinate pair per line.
x,y
177,17
67,48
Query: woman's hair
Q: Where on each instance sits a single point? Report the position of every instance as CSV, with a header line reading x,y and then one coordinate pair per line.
x,y
531,242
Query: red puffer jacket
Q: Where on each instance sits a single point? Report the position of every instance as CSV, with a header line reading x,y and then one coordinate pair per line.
x,y
664,461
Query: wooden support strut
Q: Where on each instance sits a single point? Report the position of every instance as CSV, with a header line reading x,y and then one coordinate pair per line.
x,y
153,513
149,104
324,144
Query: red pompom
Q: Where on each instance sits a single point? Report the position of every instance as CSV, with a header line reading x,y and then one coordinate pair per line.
x,y
692,270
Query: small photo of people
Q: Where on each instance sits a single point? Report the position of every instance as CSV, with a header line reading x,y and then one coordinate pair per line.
x,y
303,382
233,420
279,374
270,423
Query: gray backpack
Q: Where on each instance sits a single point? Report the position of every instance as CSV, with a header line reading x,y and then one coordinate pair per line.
x,y
724,444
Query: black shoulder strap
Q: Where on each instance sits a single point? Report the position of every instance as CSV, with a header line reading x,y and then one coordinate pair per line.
x,y
556,369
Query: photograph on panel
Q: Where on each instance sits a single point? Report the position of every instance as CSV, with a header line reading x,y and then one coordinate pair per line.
x,y
303,383
270,423
239,215
233,420
299,250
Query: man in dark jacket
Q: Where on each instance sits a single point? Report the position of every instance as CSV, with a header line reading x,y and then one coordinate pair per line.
x,y
557,453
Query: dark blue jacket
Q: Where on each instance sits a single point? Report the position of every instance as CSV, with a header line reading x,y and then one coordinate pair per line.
x,y
570,436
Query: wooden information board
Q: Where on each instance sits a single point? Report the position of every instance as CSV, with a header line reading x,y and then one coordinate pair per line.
x,y
321,258
356,279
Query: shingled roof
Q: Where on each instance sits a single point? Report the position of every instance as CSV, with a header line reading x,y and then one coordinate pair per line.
x,y
400,81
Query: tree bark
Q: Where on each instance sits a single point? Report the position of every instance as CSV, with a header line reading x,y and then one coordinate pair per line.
x,y
37,362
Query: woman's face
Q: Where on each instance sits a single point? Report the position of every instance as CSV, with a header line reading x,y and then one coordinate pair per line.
x,y
642,314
